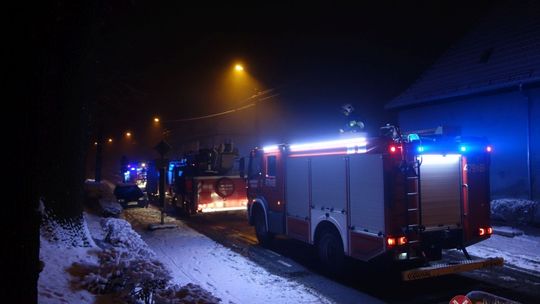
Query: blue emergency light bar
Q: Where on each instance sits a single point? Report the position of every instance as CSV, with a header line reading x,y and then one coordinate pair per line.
x,y
462,148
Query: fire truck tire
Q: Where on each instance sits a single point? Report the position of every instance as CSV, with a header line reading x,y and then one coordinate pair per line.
x,y
263,235
331,254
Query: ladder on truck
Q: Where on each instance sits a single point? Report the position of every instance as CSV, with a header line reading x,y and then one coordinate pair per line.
x,y
413,205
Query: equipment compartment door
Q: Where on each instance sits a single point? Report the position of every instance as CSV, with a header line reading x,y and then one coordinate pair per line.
x,y
440,184
297,198
329,193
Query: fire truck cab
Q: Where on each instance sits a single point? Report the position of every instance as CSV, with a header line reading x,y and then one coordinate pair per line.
x,y
397,196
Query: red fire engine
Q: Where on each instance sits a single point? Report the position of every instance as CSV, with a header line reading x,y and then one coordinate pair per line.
x,y
392,197
208,181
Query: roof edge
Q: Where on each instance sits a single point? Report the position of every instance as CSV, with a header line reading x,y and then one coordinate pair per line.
x,y
473,92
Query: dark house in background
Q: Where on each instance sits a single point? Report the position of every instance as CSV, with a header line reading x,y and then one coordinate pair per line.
x,y
488,84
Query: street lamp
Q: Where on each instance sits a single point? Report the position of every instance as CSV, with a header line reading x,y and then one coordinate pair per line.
x,y
238,67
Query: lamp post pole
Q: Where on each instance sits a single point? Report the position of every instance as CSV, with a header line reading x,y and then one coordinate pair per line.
x,y
162,148
99,158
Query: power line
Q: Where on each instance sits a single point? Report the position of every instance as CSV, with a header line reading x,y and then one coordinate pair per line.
x,y
244,107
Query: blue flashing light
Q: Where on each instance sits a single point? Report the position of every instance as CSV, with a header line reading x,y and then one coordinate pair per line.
x,y
413,137
463,148
420,148
132,169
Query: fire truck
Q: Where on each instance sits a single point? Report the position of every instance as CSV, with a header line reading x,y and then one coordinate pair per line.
x,y
208,181
397,197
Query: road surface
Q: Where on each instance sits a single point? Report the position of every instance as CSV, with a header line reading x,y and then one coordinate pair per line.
x,y
297,261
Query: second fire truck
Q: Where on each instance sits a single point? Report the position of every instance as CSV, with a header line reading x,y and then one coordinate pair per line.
x,y
208,181
394,197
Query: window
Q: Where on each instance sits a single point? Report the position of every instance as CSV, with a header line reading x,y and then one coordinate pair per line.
x,y
255,165
271,165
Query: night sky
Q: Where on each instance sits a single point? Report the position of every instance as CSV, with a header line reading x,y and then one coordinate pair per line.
x,y
157,59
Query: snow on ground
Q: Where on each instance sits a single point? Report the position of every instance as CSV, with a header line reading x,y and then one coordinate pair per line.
x,y
192,257
197,265
122,272
54,283
60,248
520,251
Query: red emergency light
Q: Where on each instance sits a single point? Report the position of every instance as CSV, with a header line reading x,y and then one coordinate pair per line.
x,y
394,148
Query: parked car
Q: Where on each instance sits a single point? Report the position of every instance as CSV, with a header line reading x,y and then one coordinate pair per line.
x,y
130,195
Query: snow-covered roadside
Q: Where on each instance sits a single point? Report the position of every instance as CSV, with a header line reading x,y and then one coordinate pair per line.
x,y
55,283
193,257
122,269
60,249
520,251
73,263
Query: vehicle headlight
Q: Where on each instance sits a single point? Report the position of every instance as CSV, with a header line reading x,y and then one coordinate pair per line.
x,y
121,200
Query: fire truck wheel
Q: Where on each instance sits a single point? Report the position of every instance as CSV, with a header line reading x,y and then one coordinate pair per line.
x,y
263,236
331,252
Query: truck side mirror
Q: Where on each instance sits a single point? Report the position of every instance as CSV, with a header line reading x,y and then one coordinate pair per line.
x,y
241,167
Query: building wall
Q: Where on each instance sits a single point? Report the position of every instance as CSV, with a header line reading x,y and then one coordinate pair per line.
x,y
503,119
535,142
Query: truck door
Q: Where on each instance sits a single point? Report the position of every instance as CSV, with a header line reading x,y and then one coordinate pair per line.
x,y
476,213
254,174
272,189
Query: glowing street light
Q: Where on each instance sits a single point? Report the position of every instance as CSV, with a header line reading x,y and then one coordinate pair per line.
x,y
238,68
109,140
128,134
156,119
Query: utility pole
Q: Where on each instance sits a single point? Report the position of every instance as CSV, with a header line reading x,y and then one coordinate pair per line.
x,y
99,155
161,164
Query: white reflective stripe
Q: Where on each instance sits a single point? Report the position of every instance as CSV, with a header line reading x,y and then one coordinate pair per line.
x,y
342,143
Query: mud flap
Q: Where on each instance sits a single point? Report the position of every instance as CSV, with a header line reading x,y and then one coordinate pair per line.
x,y
449,268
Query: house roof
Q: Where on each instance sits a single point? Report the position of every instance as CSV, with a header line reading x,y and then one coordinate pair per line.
x,y
502,51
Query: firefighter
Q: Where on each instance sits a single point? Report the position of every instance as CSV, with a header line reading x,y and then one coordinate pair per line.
x,y
353,124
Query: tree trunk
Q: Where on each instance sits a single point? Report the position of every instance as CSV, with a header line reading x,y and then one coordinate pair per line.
x,y
58,70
